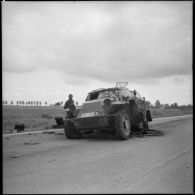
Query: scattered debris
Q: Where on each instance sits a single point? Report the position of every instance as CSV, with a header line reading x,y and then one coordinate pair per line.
x,y
49,132
149,132
29,143
15,156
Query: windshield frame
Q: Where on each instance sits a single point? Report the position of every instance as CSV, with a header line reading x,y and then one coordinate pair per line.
x,y
115,93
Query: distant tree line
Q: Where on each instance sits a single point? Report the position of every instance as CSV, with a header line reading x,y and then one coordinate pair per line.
x,y
32,103
24,103
157,104
175,105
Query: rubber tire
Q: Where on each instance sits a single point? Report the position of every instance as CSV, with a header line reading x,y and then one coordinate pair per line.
x,y
70,131
119,125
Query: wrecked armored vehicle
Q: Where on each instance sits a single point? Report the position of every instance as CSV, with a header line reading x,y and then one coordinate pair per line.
x,y
117,110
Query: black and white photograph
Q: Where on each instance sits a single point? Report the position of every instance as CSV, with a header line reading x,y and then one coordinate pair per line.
x,y
97,97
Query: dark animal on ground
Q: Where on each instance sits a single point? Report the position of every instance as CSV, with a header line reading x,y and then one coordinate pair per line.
x,y
19,127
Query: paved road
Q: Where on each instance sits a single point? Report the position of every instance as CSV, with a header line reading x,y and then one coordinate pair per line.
x,y
50,163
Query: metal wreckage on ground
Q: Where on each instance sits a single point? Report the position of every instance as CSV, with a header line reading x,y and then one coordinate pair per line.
x,y
117,110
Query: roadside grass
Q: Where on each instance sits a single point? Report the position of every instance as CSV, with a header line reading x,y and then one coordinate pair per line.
x,y
34,118
42,118
157,113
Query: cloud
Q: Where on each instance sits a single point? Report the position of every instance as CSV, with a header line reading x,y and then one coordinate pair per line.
x,y
107,41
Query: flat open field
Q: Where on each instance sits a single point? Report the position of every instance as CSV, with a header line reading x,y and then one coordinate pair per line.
x,y
50,163
34,118
40,118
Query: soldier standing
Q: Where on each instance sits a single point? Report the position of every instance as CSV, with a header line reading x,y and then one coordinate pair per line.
x,y
69,102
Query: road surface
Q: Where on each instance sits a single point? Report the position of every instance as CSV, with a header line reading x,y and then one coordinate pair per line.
x,y
50,163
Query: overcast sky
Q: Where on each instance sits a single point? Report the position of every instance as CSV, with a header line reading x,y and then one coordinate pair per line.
x,y
51,49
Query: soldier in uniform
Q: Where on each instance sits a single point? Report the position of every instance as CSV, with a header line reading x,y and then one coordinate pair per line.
x,y
69,102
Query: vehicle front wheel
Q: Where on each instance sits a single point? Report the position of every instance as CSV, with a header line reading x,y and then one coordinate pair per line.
x,y
122,125
70,130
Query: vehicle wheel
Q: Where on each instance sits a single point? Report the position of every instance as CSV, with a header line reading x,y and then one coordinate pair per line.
x,y
70,131
122,125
